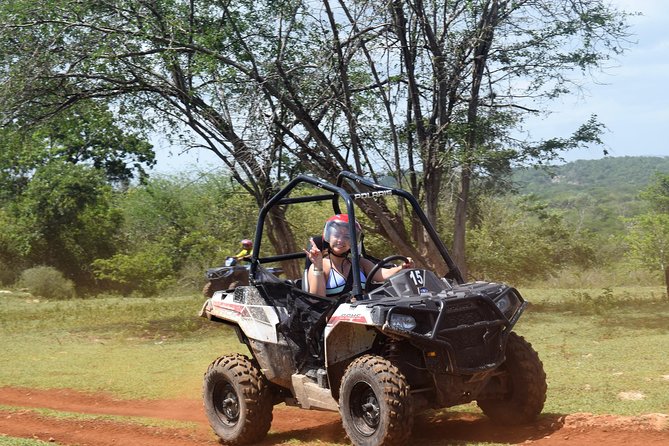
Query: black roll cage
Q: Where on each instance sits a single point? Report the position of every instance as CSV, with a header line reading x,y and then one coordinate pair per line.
x,y
336,192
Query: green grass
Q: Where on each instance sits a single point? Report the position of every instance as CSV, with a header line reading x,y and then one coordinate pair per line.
x,y
78,416
12,441
598,346
132,348
601,349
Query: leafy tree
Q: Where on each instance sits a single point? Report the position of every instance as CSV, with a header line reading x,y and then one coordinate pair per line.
x,y
55,194
10,268
146,270
83,134
463,62
174,228
187,64
657,193
89,133
648,234
276,88
64,218
522,240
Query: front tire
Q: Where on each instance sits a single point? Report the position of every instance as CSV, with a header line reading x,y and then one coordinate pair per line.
x,y
375,405
523,382
208,290
237,400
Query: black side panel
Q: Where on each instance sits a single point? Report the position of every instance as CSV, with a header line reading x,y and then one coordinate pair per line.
x,y
304,326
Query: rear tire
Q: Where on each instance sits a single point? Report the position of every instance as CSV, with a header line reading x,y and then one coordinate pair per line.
x,y
375,405
525,382
237,400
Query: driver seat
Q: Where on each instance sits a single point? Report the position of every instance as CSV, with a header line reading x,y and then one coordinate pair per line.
x,y
318,241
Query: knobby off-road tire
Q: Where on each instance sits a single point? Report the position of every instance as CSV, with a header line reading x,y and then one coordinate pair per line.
x,y
237,400
526,382
375,405
208,290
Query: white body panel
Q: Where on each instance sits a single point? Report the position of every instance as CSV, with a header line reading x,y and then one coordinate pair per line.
x,y
256,321
348,332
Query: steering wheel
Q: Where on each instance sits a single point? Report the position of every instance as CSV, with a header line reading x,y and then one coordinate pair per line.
x,y
381,264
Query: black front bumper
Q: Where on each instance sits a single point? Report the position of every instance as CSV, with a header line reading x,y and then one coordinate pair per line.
x,y
464,333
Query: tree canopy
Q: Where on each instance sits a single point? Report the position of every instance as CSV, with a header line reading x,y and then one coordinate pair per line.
x,y
86,133
57,182
648,234
428,91
64,218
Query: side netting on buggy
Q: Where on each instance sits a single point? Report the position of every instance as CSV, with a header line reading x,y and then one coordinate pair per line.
x,y
307,315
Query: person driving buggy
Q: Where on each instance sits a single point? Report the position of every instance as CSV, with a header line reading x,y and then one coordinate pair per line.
x,y
330,272
245,253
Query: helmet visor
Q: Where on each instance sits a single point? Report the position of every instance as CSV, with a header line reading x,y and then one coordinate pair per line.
x,y
337,232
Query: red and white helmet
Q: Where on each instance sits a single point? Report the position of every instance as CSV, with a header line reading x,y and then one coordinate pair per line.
x,y
246,243
337,225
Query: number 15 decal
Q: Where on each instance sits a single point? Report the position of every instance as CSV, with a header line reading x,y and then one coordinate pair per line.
x,y
417,277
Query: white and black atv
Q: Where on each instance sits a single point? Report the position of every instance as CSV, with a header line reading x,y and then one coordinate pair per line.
x,y
418,341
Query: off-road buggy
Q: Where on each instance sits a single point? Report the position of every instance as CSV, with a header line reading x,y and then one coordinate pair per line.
x,y
229,276
417,341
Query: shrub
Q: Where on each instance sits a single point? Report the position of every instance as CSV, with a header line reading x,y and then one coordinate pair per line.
x,y
145,271
48,282
8,274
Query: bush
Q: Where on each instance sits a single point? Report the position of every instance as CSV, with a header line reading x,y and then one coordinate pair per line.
x,y
48,282
8,274
145,271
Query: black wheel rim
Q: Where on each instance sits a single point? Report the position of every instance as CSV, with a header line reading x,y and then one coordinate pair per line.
x,y
226,403
365,409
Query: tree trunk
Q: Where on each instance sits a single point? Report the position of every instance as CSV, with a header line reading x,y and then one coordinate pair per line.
x,y
281,237
666,279
473,138
460,226
432,188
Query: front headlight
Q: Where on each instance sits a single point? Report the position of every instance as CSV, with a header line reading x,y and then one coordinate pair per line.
x,y
508,304
503,303
402,322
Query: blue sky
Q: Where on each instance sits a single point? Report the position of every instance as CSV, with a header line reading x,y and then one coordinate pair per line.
x,y
631,97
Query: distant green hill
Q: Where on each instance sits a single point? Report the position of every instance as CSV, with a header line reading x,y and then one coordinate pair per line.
x,y
594,193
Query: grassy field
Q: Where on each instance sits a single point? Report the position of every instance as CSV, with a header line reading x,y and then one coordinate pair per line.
x,y
130,347
604,350
7,441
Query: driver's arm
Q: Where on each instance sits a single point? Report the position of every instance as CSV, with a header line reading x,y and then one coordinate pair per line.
x,y
316,280
384,273
241,254
316,273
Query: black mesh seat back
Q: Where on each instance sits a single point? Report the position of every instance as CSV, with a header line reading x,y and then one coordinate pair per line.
x,y
304,326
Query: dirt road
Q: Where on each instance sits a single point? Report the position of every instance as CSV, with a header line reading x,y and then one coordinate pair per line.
x,y
290,424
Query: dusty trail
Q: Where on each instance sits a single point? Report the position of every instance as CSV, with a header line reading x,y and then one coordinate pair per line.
x,y
309,427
